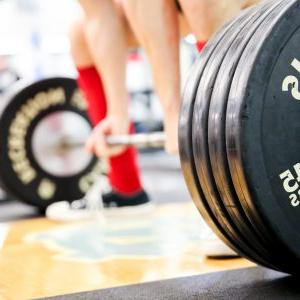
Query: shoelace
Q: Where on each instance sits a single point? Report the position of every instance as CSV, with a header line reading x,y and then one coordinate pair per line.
x,y
93,198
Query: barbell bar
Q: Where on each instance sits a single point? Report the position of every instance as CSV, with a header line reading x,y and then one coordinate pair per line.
x,y
137,140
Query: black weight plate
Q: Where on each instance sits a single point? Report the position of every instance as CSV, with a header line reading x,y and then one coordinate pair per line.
x,y
217,143
21,173
200,142
185,137
222,220
262,123
3,196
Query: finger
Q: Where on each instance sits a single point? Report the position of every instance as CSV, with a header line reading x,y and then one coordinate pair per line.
x,y
100,145
89,145
116,150
104,127
91,141
95,141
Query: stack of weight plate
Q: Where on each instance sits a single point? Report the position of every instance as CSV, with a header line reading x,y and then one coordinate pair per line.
x,y
239,130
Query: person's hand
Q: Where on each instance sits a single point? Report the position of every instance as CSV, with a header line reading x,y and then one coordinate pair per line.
x,y
111,125
171,131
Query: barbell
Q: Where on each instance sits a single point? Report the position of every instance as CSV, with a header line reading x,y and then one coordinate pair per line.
x,y
239,130
137,140
238,136
44,127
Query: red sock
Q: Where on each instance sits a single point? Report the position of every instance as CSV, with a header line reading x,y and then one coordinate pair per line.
x,y
124,172
200,45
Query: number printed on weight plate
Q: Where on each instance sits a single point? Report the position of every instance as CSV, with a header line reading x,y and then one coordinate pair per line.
x,y
291,83
290,181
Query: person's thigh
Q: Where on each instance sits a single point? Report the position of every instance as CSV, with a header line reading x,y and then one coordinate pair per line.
x,y
130,36
92,9
204,17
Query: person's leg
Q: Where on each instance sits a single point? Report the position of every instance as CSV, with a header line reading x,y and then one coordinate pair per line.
x,y
106,39
89,80
205,17
124,174
155,24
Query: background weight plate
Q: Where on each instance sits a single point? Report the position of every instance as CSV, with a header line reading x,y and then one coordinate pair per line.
x,y
200,142
262,124
185,136
3,196
217,143
22,173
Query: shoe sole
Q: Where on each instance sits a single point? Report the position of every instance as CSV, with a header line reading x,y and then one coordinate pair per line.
x,y
61,212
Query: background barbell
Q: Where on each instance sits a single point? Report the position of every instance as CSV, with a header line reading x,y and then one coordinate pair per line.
x,y
137,140
44,127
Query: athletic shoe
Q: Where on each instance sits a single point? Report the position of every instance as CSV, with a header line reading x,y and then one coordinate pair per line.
x,y
94,205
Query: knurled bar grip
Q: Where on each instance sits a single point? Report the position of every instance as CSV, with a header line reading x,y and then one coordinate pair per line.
x,y
138,140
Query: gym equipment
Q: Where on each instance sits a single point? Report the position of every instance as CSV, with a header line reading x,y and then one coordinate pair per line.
x,y
138,140
248,283
44,127
8,77
31,118
3,196
230,210
238,134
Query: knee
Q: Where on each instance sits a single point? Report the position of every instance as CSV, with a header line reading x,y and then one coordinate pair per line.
x,y
214,13
247,3
143,10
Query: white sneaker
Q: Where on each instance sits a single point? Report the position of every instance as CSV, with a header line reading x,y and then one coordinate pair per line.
x,y
87,208
94,205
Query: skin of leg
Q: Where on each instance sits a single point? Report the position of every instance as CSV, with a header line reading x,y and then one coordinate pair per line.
x,y
106,32
155,24
79,48
206,16
124,174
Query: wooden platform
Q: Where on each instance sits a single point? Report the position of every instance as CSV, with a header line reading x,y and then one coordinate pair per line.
x,y
40,258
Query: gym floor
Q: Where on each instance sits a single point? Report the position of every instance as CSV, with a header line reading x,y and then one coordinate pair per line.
x,y
40,258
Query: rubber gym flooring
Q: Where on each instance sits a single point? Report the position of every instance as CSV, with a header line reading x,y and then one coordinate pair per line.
x,y
40,258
